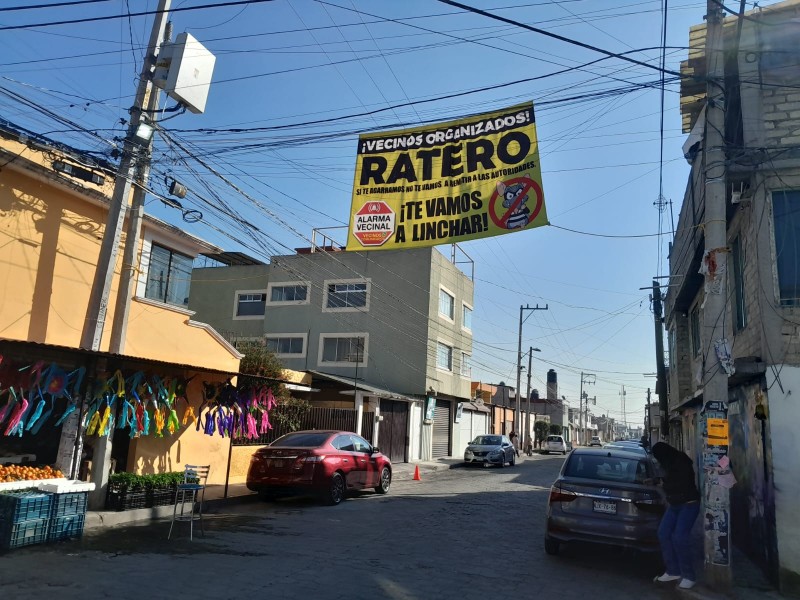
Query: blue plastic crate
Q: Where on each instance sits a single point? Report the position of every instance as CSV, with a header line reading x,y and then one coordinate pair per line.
x,y
25,505
65,505
64,528
28,533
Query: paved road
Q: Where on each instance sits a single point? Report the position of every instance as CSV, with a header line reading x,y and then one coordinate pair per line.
x,y
472,534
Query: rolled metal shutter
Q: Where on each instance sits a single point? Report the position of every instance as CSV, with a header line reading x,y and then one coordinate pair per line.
x,y
441,429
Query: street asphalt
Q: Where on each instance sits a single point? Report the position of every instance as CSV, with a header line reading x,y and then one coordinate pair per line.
x,y
461,533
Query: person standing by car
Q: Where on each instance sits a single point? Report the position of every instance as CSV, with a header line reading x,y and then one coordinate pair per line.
x,y
683,499
514,441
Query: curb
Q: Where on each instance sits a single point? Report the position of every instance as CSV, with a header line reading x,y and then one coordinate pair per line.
x,y
106,518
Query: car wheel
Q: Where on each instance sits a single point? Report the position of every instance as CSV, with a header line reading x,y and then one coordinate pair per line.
x,y
551,546
513,461
386,481
336,490
267,496
502,461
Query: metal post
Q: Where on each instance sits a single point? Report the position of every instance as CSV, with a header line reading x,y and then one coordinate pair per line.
x,y
716,498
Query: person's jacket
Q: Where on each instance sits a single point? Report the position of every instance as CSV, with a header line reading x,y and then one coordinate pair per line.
x,y
679,478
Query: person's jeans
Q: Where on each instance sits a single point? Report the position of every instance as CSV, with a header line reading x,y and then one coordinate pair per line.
x,y
674,534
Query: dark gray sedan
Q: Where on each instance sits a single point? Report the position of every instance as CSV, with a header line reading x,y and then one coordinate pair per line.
x,y
490,450
605,495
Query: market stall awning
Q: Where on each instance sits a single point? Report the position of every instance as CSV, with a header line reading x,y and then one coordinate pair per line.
x,y
364,387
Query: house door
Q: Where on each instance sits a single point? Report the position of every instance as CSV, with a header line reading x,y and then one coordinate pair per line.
x,y
441,429
394,430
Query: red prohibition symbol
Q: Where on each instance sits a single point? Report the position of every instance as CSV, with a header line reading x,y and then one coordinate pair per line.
x,y
508,205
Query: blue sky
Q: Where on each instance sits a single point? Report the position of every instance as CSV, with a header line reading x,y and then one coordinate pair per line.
x,y
289,64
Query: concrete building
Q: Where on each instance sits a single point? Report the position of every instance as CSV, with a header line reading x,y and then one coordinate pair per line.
x,y
761,319
391,329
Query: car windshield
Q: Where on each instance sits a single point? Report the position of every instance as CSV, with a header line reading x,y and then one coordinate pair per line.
x,y
487,440
608,468
310,439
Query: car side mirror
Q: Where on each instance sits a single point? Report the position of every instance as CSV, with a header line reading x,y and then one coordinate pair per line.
x,y
506,444
375,450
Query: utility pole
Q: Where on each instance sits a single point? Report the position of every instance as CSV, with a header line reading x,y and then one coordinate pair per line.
x,y
526,439
716,498
133,166
661,372
586,378
517,416
128,271
134,148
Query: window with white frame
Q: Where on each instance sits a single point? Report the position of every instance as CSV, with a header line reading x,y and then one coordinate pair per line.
x,y
288,292
444,356
168,276
346,295
249,304
343,350
466,317
786,212
466,365
447,303
287,345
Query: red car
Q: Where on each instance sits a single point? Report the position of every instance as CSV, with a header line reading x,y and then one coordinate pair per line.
x,y
325,463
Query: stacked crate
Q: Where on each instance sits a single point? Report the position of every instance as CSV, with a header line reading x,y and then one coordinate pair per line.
x,y
67,516
24,518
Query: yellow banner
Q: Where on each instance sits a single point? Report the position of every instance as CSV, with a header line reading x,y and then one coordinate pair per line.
x,y
450,182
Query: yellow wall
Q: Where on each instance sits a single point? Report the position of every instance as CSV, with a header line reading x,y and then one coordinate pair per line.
x,y
50,238
240,462
150,454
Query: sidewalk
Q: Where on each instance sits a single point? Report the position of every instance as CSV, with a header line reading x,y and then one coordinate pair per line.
x,y
216,500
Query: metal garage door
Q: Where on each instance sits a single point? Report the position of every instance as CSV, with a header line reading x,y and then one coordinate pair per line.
x,y
441,429
393,430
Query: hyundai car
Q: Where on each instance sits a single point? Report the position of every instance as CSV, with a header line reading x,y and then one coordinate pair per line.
x,y
605,495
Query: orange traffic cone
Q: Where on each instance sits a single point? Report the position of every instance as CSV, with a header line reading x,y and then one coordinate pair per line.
x,y
416,474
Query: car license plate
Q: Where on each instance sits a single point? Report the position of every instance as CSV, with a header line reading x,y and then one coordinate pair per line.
x,y
603,506
278,463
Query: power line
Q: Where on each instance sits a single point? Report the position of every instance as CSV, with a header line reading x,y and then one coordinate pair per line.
x,y
561,38
137,14
54,5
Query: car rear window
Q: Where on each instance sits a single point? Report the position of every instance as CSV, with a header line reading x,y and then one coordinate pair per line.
x,y
607,468
554,438
301,440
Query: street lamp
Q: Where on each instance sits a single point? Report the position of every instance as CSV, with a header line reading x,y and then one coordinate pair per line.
x,y
517,417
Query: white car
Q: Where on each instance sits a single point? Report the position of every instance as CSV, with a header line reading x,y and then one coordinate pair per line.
x,y
555,443
595,441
